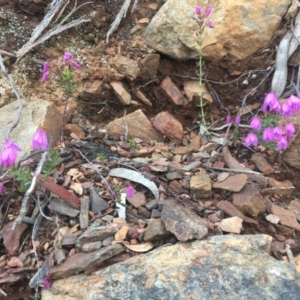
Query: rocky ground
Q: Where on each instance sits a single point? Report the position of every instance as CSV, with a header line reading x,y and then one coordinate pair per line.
x,y
137,109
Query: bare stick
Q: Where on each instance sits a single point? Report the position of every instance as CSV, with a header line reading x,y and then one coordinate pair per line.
x,y
126,126
3,293
24,205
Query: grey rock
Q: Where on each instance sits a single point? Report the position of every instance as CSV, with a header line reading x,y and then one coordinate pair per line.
x,y
156,230
98,204
183,222
152,204
223,267
95,234
155,214
63,208
89,247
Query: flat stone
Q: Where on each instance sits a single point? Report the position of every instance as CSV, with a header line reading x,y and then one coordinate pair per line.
x,y
231,211
121,92
223,176
294,206
168,126
183,222
150,64
122,233
193,90
98,204
194,146
200,186
11,238
152,204
279,187
142,211
73,128
287,218
156,230
173,92
233,183
249,201
94,87
221,267
261,163
138,199
126,66
95,234
155,214
62,208
106,242
143,98
138,126
83,261
232,225
89,247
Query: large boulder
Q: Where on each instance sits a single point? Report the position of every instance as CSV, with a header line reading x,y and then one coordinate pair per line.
x,y
241,28
222,267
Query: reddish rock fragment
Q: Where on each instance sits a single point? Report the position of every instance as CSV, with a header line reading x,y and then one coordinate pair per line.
x,y
261,163
233,183
287,218
173,92
12,237
169,126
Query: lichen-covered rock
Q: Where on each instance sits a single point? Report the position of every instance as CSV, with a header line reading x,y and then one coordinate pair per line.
x,y
223,267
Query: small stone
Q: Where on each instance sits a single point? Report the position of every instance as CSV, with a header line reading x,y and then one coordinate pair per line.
x,y
150,64
122,233
193,90
126,66
209,147
173,92
261,163
213,218
98,204
15,262
200,186
138,199
273,219
152,204
96,234
169,126
89,247
249,201
232,225
143,98
280,238
11,238
121,92
142,211
183,222
107,241
223,176
234,183
192,147
141,223
94,88
155,214
287,218
156,230
73,128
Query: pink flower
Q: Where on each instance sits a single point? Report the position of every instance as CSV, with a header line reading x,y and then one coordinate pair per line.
x,y
40,140
46,284
210,24
268,135
255,123
45,77
271,103
287,108
295,101
289,130
67,56
237,120
198,9
208,10
130,191
75,64
9,154
277,132
46,67
251,139
1,187
228,119
282,143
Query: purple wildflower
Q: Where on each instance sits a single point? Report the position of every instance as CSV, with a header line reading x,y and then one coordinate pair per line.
x,y
1,187
228,119
268,135
287,108
237,120
277,132
210,24
45,77
40,140
289,130
130,191
255,123
270,102
67,56
251,139
46,67
9,154
295,101
208,10
198,9
46,284
75,64
282,143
